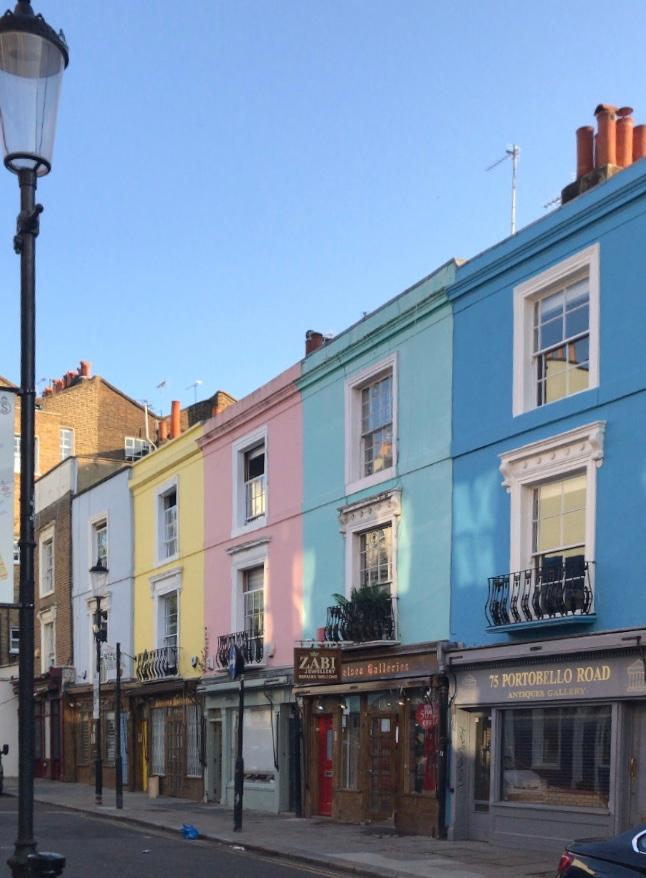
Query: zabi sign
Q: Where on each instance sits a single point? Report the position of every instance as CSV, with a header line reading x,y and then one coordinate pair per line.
x,y
7,409
317,665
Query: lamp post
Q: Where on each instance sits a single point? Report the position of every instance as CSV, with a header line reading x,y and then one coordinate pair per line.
x,y
99,575
32,60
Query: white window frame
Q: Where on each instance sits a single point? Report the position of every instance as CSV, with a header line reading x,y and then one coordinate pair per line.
x,y
526,295
47,534
162,492
576,451
47,617
96,524
354,480
246,558
69,432
365,515
161,587
135,447
239,448
14,640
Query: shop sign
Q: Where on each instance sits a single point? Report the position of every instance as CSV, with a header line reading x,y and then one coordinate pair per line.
x,y
7,409
317,665
390,668
613,677
426,716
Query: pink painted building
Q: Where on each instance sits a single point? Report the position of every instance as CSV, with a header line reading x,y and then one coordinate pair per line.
x,y
253,568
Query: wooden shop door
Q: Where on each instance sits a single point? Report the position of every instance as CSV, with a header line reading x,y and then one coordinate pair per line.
x,y
382,766
326,770
175,753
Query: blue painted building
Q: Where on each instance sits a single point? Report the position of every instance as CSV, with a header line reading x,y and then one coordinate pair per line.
x,y
549,517
377,556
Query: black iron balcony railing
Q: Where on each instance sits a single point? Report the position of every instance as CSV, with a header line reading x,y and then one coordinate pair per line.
x,y
156,664
550,592
361,620
252,647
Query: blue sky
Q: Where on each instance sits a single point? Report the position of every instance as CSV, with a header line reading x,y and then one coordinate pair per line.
x,y
230,174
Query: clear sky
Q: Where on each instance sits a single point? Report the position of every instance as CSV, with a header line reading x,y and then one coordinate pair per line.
x,y
230,173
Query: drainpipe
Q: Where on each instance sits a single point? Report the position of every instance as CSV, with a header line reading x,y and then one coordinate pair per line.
x,y
443,740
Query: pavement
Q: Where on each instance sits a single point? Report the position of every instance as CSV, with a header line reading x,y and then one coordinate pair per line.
x,y
363,850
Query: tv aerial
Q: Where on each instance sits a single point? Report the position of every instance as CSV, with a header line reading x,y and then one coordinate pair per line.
x,y
512,152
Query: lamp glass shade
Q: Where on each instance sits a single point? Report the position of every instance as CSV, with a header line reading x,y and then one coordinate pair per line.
x,y
31,71
98,577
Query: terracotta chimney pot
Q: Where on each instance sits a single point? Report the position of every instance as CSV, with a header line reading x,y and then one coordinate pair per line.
x,y
584,150
85,369
163,430
625,141
175,412
639,142
607,141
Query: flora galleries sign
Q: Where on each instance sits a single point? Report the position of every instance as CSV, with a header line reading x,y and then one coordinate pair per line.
x,y
317,665
7,409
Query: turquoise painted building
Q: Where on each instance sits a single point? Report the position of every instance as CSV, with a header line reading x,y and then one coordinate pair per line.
x,y
377,483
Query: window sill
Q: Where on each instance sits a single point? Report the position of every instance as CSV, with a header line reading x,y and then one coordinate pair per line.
x,y
370,481
251,526
527,409
543,623
160,562
544,806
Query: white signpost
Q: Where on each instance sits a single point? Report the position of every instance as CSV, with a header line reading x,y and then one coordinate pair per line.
x,y
7,410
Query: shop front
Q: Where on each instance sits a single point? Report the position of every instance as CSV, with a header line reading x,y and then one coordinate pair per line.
x,y
374,722
548,739
271,740
168,757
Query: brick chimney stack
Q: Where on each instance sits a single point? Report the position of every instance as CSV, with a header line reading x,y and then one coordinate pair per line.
x,y
313,341
616,145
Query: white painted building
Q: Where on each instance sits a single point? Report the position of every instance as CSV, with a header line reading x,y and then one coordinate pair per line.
x,y
102,527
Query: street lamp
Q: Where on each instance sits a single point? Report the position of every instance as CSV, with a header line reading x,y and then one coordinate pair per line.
x,y
99,575
32,60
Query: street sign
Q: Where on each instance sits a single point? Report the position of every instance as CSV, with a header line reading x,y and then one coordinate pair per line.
x,y
7,429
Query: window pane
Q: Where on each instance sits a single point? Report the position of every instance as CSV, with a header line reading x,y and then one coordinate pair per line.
x,y
557,756
424,727
375,556
350,728
577,321
158,741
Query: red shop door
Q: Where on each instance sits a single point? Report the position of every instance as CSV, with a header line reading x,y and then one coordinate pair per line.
x,y
326,772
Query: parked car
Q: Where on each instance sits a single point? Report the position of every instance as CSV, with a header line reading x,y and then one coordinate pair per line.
x,y
623,856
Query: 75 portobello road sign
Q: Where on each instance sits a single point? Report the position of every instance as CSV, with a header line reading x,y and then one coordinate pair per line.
x,y
611,677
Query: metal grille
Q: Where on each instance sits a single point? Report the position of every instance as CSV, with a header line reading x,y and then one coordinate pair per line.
x,y
193,741
83,739
158,741
110,738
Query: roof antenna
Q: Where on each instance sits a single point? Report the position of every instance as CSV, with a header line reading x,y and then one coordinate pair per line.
x,y
195,385
512,152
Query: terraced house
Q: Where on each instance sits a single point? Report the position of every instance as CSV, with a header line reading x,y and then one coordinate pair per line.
x,y
549,465
377,554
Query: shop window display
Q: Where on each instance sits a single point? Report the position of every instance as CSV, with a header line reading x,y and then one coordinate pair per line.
x,y
557,756
424,725
350,727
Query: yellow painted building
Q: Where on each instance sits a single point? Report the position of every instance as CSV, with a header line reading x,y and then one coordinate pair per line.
x,y
168,507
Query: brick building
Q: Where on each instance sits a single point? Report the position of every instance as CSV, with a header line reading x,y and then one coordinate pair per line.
x,y
77,415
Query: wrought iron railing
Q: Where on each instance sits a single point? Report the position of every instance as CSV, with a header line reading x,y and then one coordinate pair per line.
x,y
251,646
155,664
553,591
362,621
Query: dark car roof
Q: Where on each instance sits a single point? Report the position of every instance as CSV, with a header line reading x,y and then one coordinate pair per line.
x,y
618,849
